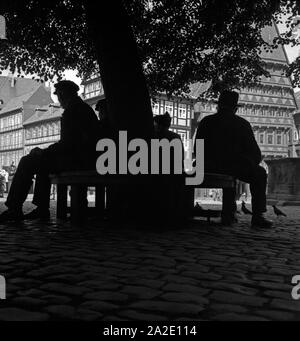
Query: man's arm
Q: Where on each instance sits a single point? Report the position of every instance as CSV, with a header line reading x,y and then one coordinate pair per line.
x,y
251,147
77,129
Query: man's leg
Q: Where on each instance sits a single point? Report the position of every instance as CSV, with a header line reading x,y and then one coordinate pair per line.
x,y
229,207
42,189
257,178
41,198
22,181
258,188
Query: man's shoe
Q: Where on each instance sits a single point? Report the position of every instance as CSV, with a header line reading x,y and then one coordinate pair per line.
x,y
43,214
11,216
261,222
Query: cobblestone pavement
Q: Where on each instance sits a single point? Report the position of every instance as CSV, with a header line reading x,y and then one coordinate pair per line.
x,y
199,272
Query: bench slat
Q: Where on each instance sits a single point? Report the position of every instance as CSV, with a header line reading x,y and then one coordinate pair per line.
x,y
92,178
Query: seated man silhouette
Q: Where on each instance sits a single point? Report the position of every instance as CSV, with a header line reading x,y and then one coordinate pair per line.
x,y
162,124
168,196
231,148
76,150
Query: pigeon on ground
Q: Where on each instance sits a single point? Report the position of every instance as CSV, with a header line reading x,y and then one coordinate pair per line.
x,y
278,212
198,207
245,209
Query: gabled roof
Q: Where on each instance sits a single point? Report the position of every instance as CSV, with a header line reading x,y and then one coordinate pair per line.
x,y
45,113
197,89
16,103
11,87
269,33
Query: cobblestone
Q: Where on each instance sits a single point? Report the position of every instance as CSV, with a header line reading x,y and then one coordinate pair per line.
x,y
239,317
15,314
228,307
228,297
102,272
169,308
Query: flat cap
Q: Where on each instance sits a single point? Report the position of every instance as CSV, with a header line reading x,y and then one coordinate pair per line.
x,y
67,86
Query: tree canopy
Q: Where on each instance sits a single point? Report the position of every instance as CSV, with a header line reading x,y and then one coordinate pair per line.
x,y
179,41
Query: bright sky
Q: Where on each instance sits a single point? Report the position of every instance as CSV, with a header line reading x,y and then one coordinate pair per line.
x,y
292,52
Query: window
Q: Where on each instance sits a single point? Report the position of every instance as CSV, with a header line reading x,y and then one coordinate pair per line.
x,y
39,132
279,139
182,111
261,138
21,137
169,107
45,131
51,130
155,108
270,139
182,122
56,129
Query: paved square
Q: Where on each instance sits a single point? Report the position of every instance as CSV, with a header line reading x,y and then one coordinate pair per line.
x,y
199,272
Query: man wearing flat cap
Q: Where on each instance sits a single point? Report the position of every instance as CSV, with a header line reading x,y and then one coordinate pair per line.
x,y
75,150
231,148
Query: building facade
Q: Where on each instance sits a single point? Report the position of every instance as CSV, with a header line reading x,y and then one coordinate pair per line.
x,y
43,128
180,109
93,90
14,112
296,136
269,106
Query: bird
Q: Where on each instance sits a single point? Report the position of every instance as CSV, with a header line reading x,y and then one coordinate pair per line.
x,y
245,209
198,207
278,212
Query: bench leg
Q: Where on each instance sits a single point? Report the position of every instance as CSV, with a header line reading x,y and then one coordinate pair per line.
x,y
62,201
100,200
78,204
229,203
189,201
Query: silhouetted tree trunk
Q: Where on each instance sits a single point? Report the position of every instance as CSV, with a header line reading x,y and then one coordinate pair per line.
x,y
125,88
121,69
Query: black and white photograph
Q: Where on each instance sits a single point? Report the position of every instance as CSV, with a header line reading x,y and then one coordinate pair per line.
x,y
149,163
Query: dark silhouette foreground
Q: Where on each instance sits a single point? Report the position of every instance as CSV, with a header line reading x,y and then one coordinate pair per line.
x,y
74,151
231,148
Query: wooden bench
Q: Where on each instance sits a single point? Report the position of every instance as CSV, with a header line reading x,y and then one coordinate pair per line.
x,y
80,181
